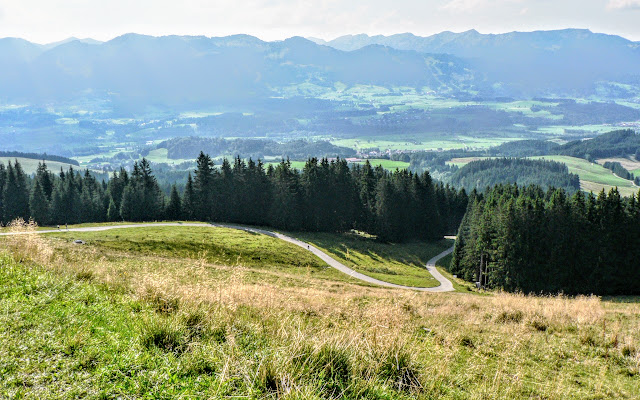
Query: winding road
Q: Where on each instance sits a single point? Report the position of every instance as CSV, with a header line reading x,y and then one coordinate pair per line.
x,y
445,284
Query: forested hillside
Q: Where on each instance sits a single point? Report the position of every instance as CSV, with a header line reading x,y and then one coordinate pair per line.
x,y
437,160
38,156
524,148
323,197
619,143
525,239
483,174
190,147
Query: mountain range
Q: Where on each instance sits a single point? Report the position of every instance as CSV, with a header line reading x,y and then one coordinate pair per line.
x,y
174,70
185,70
569,59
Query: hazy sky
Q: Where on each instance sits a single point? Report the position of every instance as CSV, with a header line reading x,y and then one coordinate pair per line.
x,y
45,21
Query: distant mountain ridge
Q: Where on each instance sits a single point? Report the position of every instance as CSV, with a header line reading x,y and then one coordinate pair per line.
x,y
465,43
133,69
570,59
173,70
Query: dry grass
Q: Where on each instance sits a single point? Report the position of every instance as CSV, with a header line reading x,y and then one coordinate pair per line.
x,y
628,163
301,336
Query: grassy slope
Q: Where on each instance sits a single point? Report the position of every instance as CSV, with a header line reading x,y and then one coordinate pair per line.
x,y
82,323
403,264
397,263
388,164
218,246
30,165
594,177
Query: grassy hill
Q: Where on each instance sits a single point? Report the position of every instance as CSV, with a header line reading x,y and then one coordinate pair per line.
x,y
30,165
594,177
113,318
403,264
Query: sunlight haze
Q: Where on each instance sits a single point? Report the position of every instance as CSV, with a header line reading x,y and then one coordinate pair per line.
x,y
45,21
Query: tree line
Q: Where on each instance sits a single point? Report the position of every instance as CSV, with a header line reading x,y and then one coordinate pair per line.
x,y
621,171
325,196
38,156
526,239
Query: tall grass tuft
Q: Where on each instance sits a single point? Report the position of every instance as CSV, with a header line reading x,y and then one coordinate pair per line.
x,y
398,369
164,334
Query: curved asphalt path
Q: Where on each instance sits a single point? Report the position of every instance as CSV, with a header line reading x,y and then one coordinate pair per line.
x,y
445,284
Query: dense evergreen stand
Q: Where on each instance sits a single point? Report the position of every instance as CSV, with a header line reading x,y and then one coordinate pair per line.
x,y
525,239
326,196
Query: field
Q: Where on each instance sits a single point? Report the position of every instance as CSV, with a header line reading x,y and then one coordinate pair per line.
x,y
388,164
593,177
110,321
30,165
161,156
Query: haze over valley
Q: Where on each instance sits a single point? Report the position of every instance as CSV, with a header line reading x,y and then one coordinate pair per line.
x,y
379,93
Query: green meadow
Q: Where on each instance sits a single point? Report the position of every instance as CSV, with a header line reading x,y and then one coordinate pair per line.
x,y
182,313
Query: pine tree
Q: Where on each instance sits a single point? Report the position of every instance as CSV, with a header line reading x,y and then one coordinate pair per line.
x,y
128,209
367,198
3,180
227,207
113,214
384,211
173,211
39,205
285,211
15,194
151,194
188,200
203,186
116,186
45,178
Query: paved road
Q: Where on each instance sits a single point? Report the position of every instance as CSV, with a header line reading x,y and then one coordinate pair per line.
x,y
445,284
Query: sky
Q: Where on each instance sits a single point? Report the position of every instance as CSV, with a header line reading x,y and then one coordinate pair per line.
x,y
45,21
